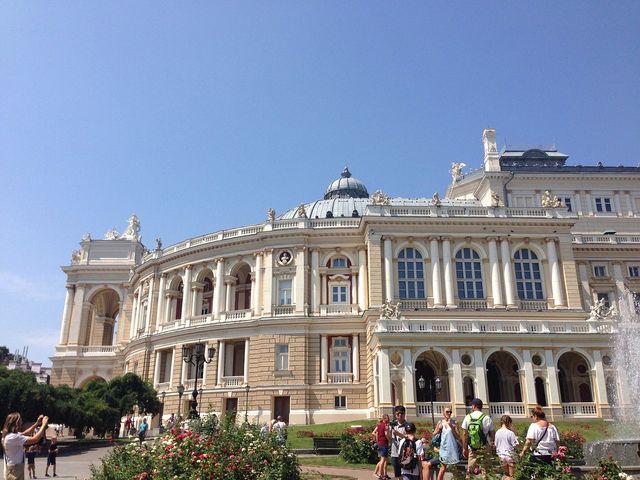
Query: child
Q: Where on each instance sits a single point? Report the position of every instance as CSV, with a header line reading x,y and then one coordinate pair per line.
x,y
32,451
51,456
506,442
410,446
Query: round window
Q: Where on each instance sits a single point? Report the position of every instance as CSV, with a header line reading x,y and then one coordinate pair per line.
x,y
466,359
537,360
582,369
607,361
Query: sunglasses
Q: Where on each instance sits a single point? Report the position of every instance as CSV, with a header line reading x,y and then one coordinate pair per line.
x,y
448,411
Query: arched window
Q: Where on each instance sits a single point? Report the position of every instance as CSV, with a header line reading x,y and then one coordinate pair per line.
x,y
528,278
469,274
410,274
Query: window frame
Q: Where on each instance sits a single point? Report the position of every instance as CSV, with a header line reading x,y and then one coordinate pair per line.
x,y
280,364
534,268
475,266
410,269
600,268
344,352
603,204
340,402
282,290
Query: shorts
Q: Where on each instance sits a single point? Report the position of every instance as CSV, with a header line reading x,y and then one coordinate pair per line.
x,y
31,461
383,451
506,460
14,472
433,462
51,460
542,458
397,468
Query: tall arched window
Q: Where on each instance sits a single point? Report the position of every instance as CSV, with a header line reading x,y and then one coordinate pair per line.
x,y
410,274
528,278
469,274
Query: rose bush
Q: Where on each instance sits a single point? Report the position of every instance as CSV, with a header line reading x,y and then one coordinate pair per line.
x,y
207,451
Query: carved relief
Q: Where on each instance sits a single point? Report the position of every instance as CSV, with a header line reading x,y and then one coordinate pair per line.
x,y
496,201
380,198
390,310
285,257
549,201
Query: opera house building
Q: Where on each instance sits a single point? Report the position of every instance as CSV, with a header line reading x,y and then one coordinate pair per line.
x,y
507,288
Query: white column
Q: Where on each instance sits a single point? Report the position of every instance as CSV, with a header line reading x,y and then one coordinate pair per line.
x,y
458,394
552,379
629,204
578,207
355,357
149,305
388,269
448,272
481,376
529,380
354,289
267,301
496,281
169,314
186,292
324,358
315,281
363,297
66,316
173,362
508,273
589,204
585,287
409,380
617,205
218,292
196,299
435,273
221,355
257,293
76,316
618,277
246,361
385,377
133,328
229,284
161,314
300,281
156,370
600,383
556,279
323,289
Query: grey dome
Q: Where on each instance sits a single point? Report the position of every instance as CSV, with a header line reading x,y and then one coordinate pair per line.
x,y
338,207
346,187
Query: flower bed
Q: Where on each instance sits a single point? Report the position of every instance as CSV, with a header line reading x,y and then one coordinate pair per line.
x,y
206,451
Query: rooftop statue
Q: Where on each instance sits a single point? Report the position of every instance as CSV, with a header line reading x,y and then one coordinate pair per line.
x,y
380,198
390,310
86,237
600,311
271,215
112,234
456,171
158,243
435,200
75,256
549,201
133,228
496,201
301,212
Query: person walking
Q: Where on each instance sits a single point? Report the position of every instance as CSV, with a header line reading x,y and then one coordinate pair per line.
x,y
398,433
449,442
31,453
542,435
142,430
280,428
14,441
52,454
382,436
411,453
477,430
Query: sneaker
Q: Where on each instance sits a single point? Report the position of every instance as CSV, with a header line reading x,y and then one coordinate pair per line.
x,y
47,475
55,475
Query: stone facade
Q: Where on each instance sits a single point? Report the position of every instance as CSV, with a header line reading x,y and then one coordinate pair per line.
x,y
495,282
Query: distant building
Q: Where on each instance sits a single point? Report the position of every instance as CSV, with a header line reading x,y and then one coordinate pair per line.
x,y
42,374
507,289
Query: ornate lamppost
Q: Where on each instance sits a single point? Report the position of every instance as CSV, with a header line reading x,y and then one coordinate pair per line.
x,y
246,403
435,385
162,395
195,355
180,389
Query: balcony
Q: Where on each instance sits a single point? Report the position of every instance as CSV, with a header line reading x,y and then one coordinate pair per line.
x,y
339,309
508,408
579,410
232,382
472,304
534,305
279,310
406,304
97,350
236,315
339,377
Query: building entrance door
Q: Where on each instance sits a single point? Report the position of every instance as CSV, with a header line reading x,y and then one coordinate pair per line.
x,y
281,406
231,407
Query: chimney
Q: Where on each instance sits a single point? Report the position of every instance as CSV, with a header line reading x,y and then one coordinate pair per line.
x,y
491,157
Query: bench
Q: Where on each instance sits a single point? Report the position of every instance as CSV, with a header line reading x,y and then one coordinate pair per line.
x,y
326,445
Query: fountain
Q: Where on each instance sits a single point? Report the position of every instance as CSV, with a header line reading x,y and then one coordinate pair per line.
x,y
625,360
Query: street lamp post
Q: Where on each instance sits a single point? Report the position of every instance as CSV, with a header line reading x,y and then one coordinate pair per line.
x,y
435,385
162,395
195,355
246,403
180,389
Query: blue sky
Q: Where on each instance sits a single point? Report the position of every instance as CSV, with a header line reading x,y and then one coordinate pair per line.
x,y
199,116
